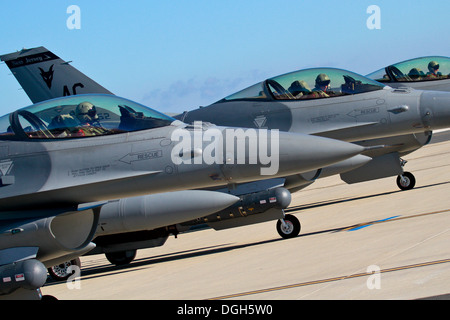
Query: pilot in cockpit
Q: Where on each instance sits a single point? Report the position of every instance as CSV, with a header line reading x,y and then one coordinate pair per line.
x,y
416,74
322,86
86,114
433,68
299,89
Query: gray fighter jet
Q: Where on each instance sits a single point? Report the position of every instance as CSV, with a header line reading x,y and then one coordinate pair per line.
x,y
323,102
63,160
44,75
342,105
424,73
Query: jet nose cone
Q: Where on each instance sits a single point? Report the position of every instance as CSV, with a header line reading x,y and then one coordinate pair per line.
x,y
435,109
301,153
271,153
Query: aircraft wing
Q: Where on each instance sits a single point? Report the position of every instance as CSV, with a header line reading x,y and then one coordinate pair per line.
x,y
29,246
385,161
18,206
43,75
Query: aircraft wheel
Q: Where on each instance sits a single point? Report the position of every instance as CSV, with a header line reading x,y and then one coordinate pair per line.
x,y
61,272
120,258
407,181
290,228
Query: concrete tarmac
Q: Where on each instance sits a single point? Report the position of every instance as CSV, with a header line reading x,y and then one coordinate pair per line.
x,y
364,241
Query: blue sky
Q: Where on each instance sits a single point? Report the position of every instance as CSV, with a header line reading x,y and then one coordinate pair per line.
x,y
179,54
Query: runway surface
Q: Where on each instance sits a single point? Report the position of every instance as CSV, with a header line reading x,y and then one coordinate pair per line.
x,y
364,241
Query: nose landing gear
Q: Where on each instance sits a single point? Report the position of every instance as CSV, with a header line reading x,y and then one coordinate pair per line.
x,y
289,227
405,181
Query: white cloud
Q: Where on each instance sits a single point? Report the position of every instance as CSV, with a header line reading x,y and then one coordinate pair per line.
x,y
183,95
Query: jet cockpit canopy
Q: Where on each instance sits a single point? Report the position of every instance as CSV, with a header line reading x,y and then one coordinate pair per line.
x,y
414,70
80,116
308,84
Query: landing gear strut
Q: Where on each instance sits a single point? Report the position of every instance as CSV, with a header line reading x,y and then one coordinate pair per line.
x,y
405,181
289,227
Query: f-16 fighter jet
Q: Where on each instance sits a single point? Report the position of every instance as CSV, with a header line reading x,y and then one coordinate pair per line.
x,y
63,159
322,102
342,105
325,102
425,73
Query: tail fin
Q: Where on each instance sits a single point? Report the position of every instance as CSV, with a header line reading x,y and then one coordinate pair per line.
x,y
44,76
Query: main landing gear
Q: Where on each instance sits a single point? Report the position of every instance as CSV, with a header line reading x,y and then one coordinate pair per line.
x,y
120,258
64,270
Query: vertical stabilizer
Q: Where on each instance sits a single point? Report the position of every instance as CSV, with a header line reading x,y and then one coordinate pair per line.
x,y
43,75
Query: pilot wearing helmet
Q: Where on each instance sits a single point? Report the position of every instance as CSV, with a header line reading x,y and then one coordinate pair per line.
x,y
433,68
415,74
298,89
322,86
86,114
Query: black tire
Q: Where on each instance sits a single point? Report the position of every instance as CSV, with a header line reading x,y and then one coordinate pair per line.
x,y
60,271
408,182
293,227
121,258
